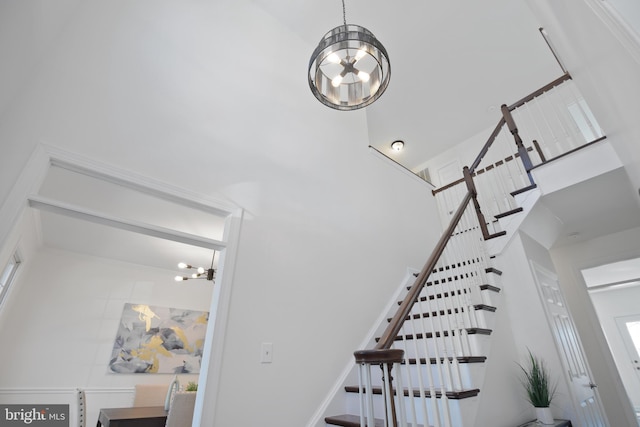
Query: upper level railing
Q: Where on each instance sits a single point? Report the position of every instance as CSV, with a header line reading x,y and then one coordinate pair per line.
x,y
459,263
555,121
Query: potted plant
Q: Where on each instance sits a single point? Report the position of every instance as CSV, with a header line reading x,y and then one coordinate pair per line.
x,y
539,387
191,386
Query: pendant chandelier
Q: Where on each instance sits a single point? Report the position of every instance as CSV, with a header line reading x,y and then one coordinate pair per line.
x,y
350,68
200,272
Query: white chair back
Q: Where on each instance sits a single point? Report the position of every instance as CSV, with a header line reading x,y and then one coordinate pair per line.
x,y
181,409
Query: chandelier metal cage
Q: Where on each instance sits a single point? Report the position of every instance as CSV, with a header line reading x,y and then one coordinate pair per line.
x,y
350,68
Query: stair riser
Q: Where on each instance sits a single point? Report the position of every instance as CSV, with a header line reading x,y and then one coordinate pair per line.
x,y
452,294
456,376
469,318
491,298
474,345
456,408
452,302
494,279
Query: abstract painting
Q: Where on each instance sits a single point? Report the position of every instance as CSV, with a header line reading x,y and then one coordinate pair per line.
x,y
158,340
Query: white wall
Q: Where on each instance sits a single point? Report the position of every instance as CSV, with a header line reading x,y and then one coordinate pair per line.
x,y
329,229
629,12
526,321
61,319
65,313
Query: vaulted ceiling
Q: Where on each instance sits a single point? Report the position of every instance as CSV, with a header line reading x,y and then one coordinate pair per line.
x,y
453,63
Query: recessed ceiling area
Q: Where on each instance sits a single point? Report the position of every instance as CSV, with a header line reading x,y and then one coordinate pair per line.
x,y
596,207
75,235
176,224
627,271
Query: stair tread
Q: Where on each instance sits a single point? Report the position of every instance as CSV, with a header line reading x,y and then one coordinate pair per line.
x,y
507,213
461,359
485,307
457,394
489,288
493,270
482,287
498,234
440,295
448,311
523,190
348,420
470,331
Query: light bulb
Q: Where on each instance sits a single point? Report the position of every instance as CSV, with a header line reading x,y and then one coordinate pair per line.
x,y
363,76
200,270
183,265
194,275
336,81
179,278
360,54
333,58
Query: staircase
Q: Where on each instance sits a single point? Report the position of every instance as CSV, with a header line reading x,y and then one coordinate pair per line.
x,y
444,339
467,370
426,364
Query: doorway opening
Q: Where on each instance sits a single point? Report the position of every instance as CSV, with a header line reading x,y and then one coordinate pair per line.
x,y
614,290
92,238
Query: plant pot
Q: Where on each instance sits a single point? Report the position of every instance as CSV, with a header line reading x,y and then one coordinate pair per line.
x,y
544,417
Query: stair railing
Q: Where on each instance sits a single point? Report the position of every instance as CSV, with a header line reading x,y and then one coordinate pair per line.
x,y
454,266
444,295
556,120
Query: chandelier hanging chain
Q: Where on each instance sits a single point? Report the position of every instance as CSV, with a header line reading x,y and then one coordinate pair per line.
x,y
344,14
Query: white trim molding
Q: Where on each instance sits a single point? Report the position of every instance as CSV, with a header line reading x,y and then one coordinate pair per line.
x,y
620,29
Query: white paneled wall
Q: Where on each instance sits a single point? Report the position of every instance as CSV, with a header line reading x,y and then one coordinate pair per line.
x,y
74,313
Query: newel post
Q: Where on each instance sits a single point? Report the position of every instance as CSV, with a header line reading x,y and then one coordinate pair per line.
x,y
522,150
385,359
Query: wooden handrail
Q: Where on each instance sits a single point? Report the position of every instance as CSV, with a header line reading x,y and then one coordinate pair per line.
x,y
563,78
487,145
383,354
519,103
389,335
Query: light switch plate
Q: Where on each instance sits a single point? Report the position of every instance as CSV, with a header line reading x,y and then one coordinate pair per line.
x,y
266,354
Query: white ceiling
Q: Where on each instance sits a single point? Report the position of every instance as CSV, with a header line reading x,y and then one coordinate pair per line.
x,y
453,64
622,272
111,200
599,206
88,238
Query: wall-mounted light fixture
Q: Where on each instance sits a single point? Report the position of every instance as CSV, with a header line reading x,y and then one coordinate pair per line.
x,y
350,68
397,145
200,272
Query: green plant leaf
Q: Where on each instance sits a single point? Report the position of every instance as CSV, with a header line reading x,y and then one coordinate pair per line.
x,y
537,382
